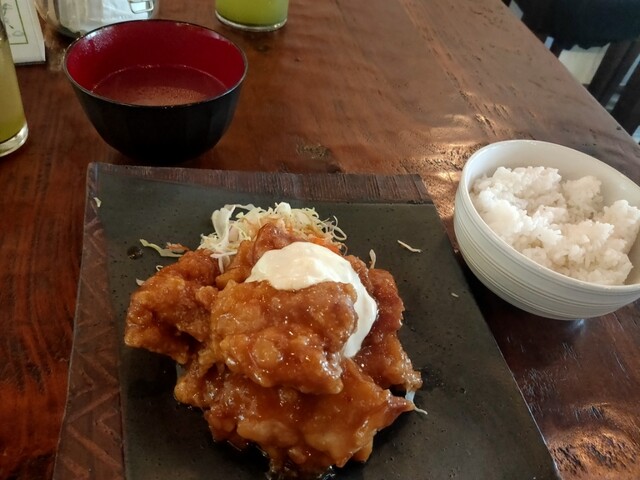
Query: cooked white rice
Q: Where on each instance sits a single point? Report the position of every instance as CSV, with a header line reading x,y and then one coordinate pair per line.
x,y
562,225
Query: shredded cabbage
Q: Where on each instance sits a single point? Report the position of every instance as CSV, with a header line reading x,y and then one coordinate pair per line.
x,y
172,250
409,247
410,395
372,259
230,231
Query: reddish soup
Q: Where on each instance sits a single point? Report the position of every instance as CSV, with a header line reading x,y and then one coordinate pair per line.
x,y
158,85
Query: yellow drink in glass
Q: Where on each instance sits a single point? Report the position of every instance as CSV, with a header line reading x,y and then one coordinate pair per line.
x,y
13,125
253,15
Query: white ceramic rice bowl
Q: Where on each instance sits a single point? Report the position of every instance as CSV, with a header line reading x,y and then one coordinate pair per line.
x,y
516,278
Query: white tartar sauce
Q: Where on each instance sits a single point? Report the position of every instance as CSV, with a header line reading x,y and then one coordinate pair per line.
x,y
303,264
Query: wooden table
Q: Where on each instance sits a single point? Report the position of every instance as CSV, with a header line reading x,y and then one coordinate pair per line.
x,y
379,86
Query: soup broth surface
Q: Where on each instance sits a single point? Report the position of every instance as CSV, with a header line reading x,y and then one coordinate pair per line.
x,y
159,85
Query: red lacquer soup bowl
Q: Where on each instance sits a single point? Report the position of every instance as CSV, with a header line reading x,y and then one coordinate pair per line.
x,y
159,91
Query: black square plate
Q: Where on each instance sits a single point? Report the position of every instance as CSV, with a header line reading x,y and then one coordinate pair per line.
x,y
477,427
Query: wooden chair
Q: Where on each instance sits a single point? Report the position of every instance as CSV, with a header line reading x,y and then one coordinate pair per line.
x,y
616,63
627,109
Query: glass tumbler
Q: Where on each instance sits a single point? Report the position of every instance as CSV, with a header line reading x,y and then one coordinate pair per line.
x,y
77,17
13,124
253,15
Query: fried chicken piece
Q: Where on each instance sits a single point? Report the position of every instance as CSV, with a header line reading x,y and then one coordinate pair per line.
x,y
170,312
381,355
269,237
298,431
285,338
266,366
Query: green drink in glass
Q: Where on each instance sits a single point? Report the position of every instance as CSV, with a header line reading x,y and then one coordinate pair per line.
x,y
13,125
253,15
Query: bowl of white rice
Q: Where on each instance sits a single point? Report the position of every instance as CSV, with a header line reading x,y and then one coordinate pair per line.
x,y
550,229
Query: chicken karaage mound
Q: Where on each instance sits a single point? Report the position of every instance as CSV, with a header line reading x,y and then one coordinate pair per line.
x,y
269,366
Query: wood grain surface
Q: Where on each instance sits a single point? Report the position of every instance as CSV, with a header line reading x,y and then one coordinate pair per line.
x,y
378,86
